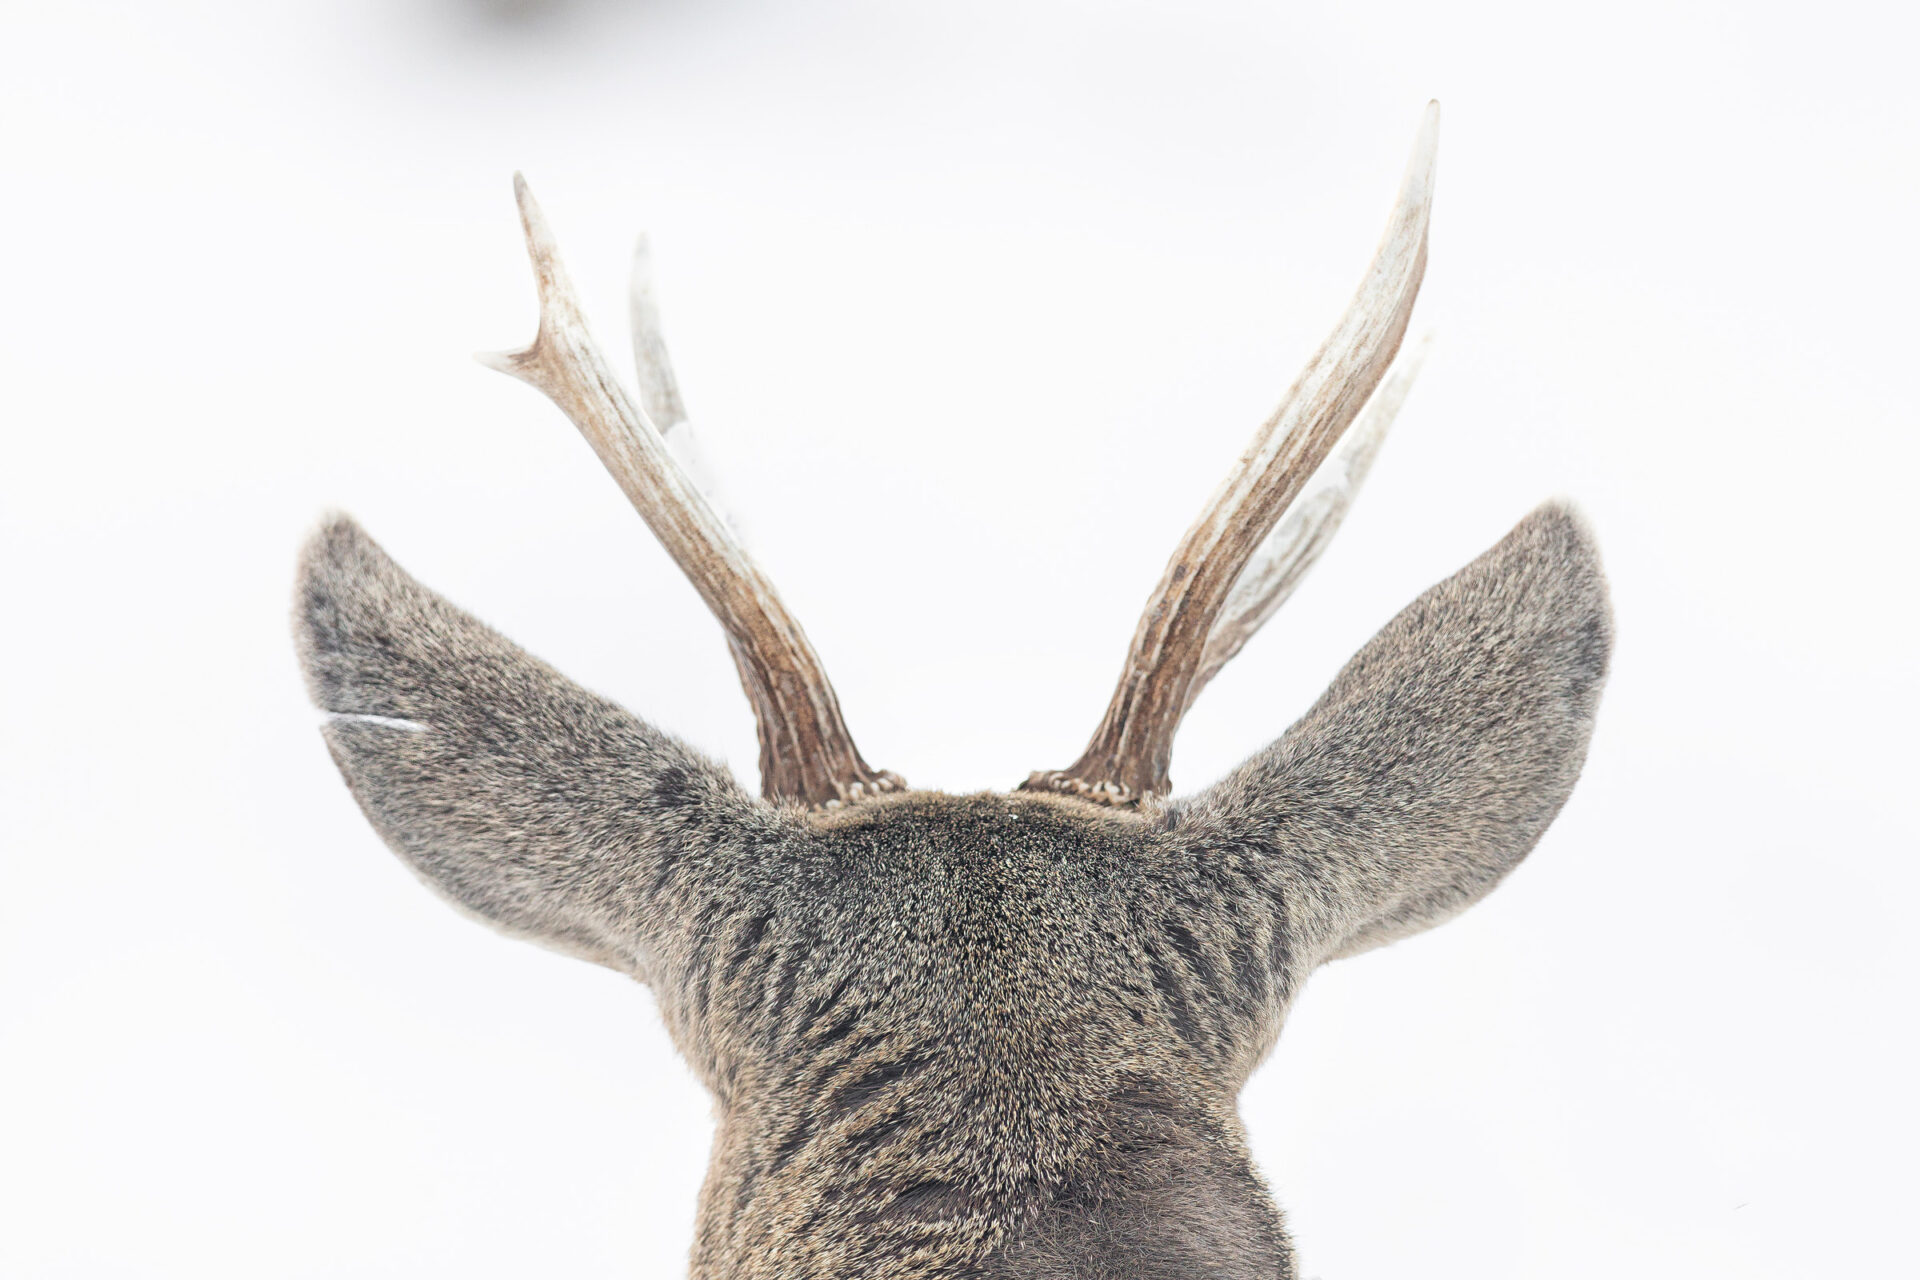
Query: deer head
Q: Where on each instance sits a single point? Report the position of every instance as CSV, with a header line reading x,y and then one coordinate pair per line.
x,y
986,1035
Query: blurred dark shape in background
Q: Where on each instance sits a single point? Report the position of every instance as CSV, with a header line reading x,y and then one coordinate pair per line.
x,y
529,13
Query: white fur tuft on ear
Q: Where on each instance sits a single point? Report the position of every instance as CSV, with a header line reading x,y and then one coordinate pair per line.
x,y
387,722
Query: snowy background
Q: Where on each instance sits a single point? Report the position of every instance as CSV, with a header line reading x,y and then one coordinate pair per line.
x,y
974,303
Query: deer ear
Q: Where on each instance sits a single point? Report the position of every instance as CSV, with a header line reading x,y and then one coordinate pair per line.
x,y
523,798
1439,755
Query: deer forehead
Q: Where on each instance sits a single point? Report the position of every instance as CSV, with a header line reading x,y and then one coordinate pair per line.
x,y
967,893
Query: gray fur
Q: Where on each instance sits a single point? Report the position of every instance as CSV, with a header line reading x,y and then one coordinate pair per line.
x,y
986,1036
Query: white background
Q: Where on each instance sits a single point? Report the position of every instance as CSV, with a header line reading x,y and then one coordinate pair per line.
x,y
975,303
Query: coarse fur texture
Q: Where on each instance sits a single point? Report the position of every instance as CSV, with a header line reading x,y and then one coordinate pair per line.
x,y
989,1036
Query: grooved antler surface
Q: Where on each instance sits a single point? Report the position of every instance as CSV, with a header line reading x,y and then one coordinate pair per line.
x,y
1129,753
806,753
1300,539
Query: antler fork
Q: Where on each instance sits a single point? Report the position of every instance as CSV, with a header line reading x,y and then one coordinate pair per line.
x,y
806,753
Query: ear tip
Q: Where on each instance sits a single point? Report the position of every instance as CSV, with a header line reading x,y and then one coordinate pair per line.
x,y
1559,534
1559,544
338,564
1566,519
335,537
339,553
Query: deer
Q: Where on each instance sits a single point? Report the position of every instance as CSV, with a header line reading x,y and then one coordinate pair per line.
x,y
988,1035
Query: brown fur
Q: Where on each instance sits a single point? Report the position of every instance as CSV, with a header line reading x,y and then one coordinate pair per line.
x,y
986,1036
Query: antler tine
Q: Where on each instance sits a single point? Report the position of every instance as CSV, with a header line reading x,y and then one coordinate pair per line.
x,y
660,400
806,753
1129,753
659,389
1299,540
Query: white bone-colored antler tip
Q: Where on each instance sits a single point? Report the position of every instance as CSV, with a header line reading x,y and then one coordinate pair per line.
x,y
559,312
659,389
507,362
556,291
530,216
1417,186
1421,347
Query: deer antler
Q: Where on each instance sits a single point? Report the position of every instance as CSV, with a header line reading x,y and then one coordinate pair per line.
x,y
1300,539
806,753
1195,620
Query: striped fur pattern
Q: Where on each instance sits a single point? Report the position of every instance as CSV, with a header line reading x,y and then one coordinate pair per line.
x,y
989,1035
